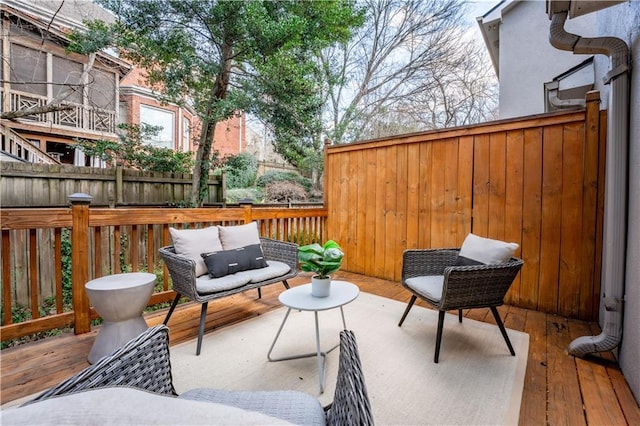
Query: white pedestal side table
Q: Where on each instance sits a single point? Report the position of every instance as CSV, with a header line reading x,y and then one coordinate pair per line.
x,y
300,298
120,300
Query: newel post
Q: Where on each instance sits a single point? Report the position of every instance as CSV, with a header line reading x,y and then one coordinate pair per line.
x,y
247,207
80,260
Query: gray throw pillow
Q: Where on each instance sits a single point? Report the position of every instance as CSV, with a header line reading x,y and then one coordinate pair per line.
x,y
225,262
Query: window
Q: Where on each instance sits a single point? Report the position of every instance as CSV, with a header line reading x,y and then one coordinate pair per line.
x,y
66,77
162,119
102,90
29,70
186,131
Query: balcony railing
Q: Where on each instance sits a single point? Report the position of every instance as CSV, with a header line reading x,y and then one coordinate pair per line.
x,y
77,116
43,279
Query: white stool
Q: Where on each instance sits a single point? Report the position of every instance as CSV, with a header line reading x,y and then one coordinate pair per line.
x,y
119,300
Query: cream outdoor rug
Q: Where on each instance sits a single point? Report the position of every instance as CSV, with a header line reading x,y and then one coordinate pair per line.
x,y
476,382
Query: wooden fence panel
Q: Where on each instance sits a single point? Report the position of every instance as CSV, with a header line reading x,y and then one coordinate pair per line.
x,y
107,241
536,181
49,185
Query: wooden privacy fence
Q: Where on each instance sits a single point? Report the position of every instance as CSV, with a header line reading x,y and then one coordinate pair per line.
x,y
48,255
536,181
50,185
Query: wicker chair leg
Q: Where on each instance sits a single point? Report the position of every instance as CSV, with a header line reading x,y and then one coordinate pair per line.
x,y
286,284
203,316
496,315
439,335
406,311
259,293
173,306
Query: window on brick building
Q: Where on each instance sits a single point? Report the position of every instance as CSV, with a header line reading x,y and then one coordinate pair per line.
x,y
160,118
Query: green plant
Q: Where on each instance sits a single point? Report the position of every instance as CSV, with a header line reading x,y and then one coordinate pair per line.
x,y
302,237
133,150
238,194
323,260
276,176
241,170
67,293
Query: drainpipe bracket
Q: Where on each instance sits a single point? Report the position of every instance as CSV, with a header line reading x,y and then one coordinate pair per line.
x,y
612,304
615,72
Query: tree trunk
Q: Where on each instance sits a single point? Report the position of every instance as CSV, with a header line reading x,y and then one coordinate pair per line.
x,y
202,164
203,155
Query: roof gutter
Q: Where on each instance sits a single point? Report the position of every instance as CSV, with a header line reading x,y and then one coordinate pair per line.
x,y
616,175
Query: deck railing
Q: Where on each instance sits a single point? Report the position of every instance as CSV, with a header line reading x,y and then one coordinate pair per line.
x,y
43,279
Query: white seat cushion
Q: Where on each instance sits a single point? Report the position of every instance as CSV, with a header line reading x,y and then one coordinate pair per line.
x,y
429,286
275,269
207,285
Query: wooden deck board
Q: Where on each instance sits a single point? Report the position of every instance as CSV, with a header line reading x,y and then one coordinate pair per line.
x,y
558,389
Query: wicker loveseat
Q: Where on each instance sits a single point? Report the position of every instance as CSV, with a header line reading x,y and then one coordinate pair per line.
x,y
282,260
134,385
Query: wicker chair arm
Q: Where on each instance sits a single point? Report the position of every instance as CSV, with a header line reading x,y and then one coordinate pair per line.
x,y
420,262
479,285
142,363
183,272
281,251
351,404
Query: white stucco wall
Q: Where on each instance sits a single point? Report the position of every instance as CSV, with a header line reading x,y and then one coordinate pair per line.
x,y
527,59
623,21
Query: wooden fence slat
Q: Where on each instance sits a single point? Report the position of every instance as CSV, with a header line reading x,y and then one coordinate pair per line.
x,y
437,184
389,255
58,270
551,217
361,214
481,185
451,167
401,209
571,245
368,245
497,185
33,274
464,189
424,212
7,297
514,198
380,222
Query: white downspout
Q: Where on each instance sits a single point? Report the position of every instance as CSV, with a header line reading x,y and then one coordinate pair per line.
x,y
615,212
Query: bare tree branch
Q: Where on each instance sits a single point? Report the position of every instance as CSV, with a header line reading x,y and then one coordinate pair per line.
x,y
403,57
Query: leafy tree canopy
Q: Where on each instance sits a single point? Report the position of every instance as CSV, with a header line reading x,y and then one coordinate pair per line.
x,y
132,151
226,56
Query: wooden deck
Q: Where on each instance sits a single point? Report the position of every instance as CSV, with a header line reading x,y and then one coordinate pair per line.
x,y
559,389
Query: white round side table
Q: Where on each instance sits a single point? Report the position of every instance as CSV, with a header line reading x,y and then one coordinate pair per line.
x,y
300,298
119,300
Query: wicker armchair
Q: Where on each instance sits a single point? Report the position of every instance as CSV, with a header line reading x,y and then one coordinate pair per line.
x,y
143,363
432,276
183,276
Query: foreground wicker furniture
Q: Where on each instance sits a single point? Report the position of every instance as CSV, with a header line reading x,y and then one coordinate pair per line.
x,y
143,363
431,275
183,275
